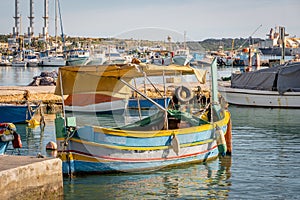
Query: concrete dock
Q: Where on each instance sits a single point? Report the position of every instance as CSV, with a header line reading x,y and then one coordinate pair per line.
x,y
44,95
25,177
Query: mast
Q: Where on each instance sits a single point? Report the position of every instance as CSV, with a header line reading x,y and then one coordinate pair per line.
x,y
56,8
215,105
61,26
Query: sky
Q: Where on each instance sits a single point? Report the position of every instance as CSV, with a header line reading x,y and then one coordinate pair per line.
x,y
194,20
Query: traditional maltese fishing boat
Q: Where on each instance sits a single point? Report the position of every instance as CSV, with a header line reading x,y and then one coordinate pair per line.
x,y
169,137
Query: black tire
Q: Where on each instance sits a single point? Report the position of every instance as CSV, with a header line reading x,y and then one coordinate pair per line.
x,y
179,91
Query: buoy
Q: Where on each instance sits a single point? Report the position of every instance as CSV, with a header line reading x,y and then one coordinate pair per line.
x,y
17,143
221,142
175,144
33,123
228,138
51,146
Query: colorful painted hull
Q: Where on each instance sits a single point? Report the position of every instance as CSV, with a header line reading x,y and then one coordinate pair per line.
x,y
15,113
102,150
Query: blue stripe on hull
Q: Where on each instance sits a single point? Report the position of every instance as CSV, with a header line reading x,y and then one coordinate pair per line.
x,y
146,104
15,114
104,167
87,134
3,147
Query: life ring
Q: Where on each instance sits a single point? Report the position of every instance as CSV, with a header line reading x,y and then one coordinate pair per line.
x,y
184,94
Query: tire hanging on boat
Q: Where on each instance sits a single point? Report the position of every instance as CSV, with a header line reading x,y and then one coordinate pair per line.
x,y
183,94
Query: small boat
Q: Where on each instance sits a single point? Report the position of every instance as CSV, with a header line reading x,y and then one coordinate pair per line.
x,y
113,57
168,137
16,113
182,56
277,87
4,61
77,57
55,61
31,60
8,134
19,63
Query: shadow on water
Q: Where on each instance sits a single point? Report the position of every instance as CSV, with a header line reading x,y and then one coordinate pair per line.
x,y
208,180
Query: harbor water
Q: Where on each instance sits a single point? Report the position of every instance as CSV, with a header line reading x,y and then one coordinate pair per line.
x,y
265,161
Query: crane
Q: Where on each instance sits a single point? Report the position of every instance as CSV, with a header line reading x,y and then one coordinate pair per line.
x,y
251,36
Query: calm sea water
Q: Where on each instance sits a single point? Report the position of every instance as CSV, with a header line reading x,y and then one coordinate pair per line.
x,y
265,163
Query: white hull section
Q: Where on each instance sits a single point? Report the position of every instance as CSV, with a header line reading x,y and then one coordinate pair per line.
x,y
261,98
52,61
99,107
19,64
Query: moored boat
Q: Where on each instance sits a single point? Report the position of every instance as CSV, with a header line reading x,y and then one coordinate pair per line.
x,y
19,63
55,61
270,87
17,113
77,57
168,137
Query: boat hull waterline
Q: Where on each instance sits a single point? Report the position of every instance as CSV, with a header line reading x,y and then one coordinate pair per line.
x,y
260,98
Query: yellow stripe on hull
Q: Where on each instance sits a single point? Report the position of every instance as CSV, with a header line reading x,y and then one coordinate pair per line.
x,y
134,148
159,133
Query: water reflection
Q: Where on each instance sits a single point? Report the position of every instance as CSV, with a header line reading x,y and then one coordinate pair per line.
x,y
35,139
14,76
208,180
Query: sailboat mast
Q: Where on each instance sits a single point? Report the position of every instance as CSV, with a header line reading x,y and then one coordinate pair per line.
x,y
61,26
56,5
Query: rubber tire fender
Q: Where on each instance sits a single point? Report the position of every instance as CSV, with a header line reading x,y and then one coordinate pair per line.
x,y
182,89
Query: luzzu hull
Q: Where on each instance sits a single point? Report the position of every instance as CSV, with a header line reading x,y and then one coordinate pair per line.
x,y
101,150
15,113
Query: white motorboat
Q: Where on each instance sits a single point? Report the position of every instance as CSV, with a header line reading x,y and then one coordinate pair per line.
x,y
52,61
272,87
